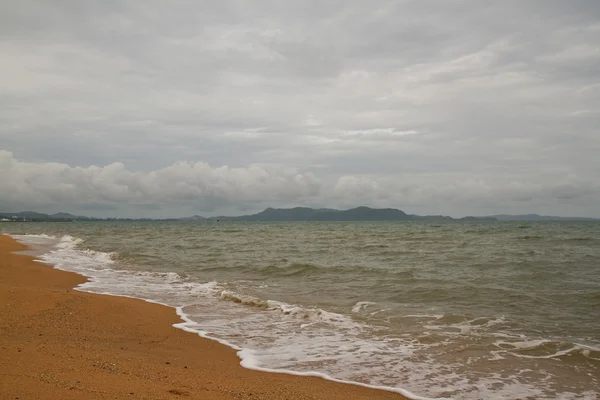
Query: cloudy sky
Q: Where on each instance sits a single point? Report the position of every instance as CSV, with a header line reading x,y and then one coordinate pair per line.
x,y
154,108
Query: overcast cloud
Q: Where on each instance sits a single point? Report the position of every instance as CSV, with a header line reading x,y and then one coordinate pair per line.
x,y
153,108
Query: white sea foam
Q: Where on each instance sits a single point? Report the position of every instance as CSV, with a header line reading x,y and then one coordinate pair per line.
x,y
434,316
36,239
472,326
524,345
279,337
592,352
362,306
514,347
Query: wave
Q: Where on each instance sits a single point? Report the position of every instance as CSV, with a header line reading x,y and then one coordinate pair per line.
x,y
299,270
32,238
296,327
362,306
292,338
452,324
35,240
531,237
300,313
546,349
424,293
244,300
595,295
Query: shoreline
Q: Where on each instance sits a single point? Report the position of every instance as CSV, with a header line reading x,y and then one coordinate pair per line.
x,y
68,344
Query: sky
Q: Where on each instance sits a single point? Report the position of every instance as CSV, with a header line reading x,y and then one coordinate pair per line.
x,y
169,109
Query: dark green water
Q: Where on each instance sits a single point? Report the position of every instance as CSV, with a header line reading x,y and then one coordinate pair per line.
x,y
458,309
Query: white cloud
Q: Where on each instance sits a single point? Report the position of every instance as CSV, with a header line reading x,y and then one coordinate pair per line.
x,y
194,184
187,187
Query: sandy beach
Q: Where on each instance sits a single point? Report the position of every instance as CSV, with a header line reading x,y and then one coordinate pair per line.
x,y
58,343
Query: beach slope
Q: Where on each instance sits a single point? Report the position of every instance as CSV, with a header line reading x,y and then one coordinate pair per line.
x,y
58,343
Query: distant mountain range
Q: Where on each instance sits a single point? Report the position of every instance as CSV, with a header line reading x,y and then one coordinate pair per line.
x,y
327,214
32,216
536,217
299,214
36,216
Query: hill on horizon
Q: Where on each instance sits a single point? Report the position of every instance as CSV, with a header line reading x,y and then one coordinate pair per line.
x,y
361,213
537,217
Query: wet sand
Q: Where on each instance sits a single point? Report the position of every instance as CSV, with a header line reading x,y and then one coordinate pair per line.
x,y
58,343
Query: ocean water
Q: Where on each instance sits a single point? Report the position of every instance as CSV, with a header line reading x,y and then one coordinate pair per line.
x,y
461,310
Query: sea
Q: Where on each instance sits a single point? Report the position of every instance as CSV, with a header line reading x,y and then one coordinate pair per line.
x,y
434,310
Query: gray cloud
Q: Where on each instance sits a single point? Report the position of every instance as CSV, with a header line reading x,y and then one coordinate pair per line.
x,y
466,107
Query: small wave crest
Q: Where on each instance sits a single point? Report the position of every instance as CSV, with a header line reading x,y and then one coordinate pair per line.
x,y
32,236
457,324
297,312
294,270
545,348
531,237
39,239
362,306
307,270
66,255
244,300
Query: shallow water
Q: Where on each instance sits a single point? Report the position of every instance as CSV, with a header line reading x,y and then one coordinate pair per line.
x,y
461,310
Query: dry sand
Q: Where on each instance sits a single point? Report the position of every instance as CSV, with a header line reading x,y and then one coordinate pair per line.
x,y
57,343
